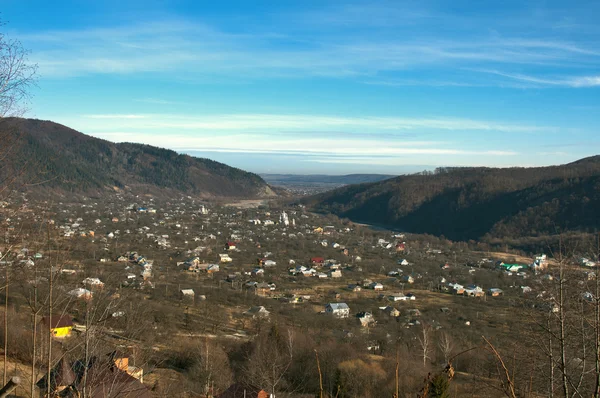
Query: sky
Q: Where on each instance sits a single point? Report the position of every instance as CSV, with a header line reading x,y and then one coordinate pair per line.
x,y
322,87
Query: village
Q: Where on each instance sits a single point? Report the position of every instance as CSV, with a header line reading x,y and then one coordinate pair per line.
x,y
160,271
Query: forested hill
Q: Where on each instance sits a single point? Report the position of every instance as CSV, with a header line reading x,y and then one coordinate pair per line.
x,y
472,203
57,157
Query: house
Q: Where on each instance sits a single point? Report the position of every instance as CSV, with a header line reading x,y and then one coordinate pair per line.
x,y
105,378
355,288
60,325
408,279
239,390
258,312
80,293
391,311
68,271
495,292
224,258
230,246
403,262
317,260
376,286
540,262
121,360
335,274
510,267
397,297
187,294
401,247
263,289
473,291
365,318
93,283
339,310
586,262
269,263
456,288
373,346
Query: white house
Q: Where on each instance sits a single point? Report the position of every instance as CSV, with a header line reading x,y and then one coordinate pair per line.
x,y
339,310
473,290
224,258
187,293
397,297
94,282
365,318
258,312
335,274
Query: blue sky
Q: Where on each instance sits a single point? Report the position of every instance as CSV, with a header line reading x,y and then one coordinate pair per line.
x,y
323,86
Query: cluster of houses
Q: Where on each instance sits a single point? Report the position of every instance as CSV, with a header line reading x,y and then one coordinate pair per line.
x,y
320,268
143,264
194,264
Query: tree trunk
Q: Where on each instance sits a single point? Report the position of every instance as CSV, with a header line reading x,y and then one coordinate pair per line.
x,y
562,342
5,330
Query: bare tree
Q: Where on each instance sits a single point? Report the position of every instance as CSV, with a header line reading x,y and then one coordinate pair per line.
x,y
446,346
17,76
425,343
271,358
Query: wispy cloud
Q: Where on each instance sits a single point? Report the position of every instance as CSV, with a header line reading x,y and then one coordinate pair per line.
x,y
326,148
115,116
570,81
199,50
264,122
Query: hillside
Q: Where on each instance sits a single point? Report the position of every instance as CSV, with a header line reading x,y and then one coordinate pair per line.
x,y
56,157
473,203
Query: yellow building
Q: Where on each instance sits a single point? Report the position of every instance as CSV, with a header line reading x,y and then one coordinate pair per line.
x,y
60,325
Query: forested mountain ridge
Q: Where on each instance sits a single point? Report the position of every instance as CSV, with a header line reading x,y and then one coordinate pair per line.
x,y
472,203
57,157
